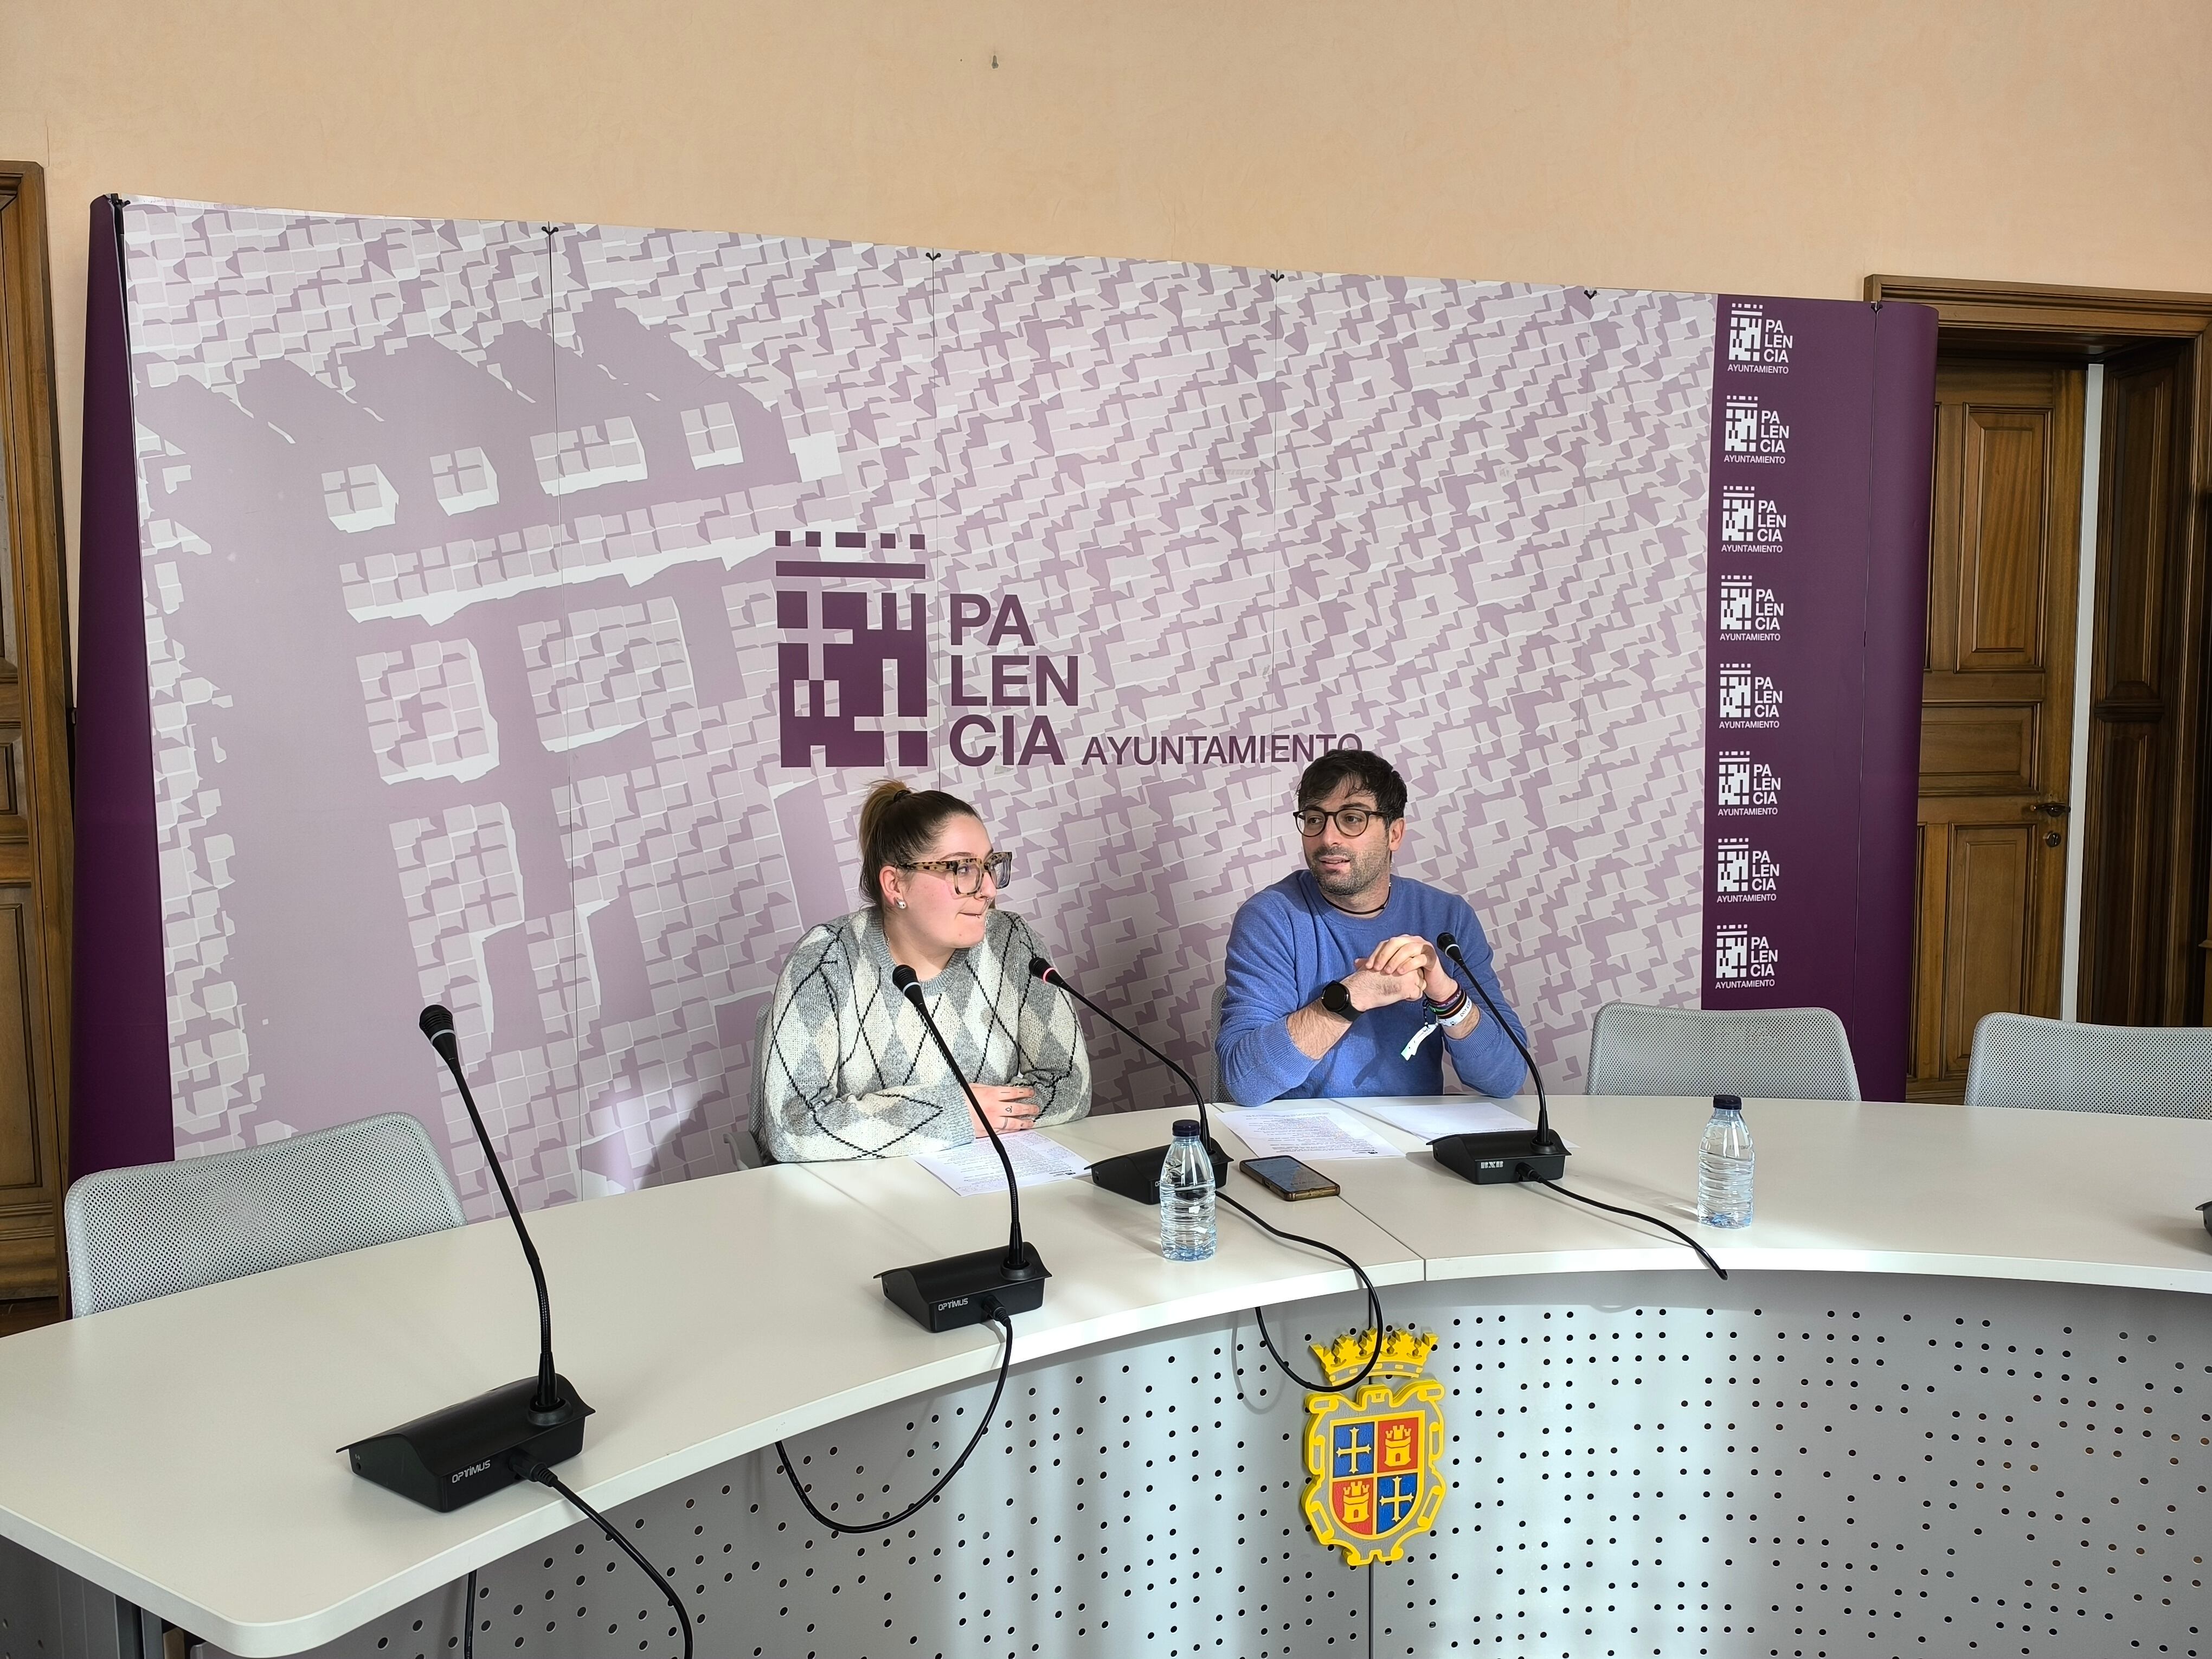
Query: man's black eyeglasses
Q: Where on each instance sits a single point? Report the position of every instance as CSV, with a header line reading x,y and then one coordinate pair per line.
x,y
1352,820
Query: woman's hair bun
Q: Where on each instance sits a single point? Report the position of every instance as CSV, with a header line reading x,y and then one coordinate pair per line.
x,y
879,802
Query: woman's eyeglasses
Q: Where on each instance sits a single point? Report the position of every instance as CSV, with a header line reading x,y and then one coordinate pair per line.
x,y
966,875
1352,820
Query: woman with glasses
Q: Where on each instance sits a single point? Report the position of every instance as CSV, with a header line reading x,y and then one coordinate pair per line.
x,y
848,1069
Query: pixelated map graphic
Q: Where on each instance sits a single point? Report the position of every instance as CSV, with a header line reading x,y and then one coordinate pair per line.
x,y
469,558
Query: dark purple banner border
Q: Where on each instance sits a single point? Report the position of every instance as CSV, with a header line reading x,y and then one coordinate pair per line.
x,y
119,1109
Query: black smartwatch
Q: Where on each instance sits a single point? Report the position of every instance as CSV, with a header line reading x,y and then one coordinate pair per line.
x,y
1338,1000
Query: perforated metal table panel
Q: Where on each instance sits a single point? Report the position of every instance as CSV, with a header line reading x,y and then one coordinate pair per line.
x,y
1788,1464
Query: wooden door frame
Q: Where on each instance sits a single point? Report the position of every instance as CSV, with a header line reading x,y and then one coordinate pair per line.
x,y
30,455
2091,325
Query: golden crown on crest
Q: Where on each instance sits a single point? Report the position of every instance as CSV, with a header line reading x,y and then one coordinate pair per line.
x,y
1404,1354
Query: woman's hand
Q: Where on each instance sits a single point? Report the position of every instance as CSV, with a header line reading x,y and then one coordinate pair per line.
x,y
1012,1107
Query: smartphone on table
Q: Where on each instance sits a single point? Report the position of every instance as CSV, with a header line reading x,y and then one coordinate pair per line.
x,y
1289,1179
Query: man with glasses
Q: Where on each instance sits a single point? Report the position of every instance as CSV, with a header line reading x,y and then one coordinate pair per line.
x,y
1335,987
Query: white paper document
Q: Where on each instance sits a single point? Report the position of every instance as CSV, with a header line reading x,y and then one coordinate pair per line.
x,y
1432,1119
1308,1135
975,1169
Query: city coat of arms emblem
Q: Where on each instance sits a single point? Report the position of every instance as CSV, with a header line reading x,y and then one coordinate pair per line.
x,y
1374,1454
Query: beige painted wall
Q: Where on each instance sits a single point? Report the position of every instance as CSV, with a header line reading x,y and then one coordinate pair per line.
x,y
1784,148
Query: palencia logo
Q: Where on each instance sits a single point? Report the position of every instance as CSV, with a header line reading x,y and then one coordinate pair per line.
x,y
1743,959
854,668
1749,611
1752,433
1757,344
1750,519
855,673
1748,700
1744,788
1744,874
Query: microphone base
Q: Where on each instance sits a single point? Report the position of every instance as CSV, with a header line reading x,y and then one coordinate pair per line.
x,y
948,1293
1136,1174
1504,1158
452,1457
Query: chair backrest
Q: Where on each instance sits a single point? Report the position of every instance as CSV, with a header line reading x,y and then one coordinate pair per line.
x,y
1771,1054
157,1228
757,1108
2053,1065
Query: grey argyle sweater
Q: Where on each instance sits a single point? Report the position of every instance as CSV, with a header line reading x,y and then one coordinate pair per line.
x,y
850,1071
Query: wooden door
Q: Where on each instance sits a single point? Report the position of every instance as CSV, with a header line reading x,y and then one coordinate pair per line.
x,y
2138,900
1997,706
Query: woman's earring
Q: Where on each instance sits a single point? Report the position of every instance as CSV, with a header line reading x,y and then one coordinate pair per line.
x,y
902,904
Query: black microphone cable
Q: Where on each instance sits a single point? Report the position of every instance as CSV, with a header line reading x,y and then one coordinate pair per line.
x,y
528,1469
1450,948
1639,1215
997,1316
1374,1306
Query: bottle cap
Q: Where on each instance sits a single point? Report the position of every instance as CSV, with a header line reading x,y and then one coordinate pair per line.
x,y
1186,1126
1728,1103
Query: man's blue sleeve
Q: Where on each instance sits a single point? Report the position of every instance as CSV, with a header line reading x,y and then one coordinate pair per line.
x,y
1485,1058
1259,1061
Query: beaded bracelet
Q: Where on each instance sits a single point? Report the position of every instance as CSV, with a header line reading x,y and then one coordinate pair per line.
x,y
1447,1013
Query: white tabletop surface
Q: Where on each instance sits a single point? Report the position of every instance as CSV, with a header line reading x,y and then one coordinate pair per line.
x,y
2068,1197
182,1452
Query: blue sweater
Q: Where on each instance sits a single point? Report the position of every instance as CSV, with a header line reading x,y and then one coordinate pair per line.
x,y
1289,941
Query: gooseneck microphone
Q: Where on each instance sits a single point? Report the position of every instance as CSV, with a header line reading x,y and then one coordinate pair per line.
x,y
437,1024
1535,1155
454,1456
955,1290
1136,1174
1504,1155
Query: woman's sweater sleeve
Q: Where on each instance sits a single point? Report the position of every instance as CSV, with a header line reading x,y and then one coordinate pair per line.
x,y
1054,1062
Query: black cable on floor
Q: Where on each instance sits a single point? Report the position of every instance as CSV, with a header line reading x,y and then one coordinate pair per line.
x,y
545,1477
1596,1205
997,1316
1374,1306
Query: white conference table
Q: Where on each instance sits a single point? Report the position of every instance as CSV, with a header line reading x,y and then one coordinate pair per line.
x,y
181,1452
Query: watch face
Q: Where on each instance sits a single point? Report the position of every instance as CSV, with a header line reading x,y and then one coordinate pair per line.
x,y
1337,1000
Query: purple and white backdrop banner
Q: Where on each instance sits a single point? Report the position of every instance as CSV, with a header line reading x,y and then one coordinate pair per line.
x,y
520,613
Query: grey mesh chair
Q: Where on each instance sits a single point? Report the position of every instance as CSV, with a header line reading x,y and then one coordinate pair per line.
x,y
1769,1053
2052,1065
757,1107
158,1228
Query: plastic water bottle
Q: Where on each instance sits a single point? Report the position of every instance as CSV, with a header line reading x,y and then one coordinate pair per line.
x,y
1725,1163
1187,1197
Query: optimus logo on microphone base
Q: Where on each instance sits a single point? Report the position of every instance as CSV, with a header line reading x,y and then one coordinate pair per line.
x,y
854,676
